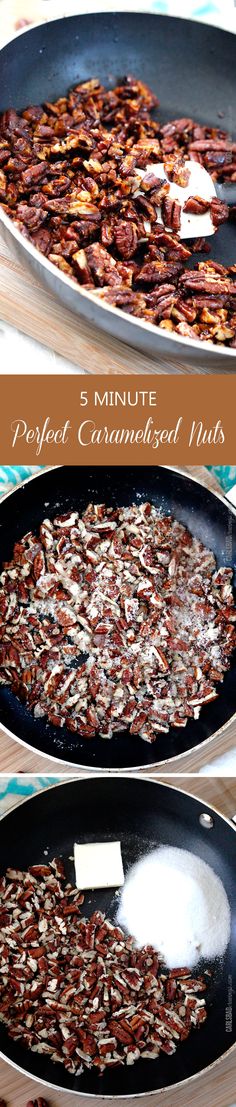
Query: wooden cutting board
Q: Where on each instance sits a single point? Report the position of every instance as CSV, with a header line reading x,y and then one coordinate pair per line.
x,y
27,305
16,758
216,1088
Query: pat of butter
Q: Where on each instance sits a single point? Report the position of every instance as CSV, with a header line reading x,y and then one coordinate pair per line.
x,y
98,865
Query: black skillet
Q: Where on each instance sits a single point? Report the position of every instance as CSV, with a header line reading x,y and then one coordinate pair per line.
x,y
207,516
141,814
190,67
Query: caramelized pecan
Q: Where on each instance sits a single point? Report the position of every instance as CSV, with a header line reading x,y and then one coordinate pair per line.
x,y
126,238
171,212
196,205
70,180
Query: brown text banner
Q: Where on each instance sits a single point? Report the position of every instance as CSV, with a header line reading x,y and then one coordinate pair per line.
x,y
140,421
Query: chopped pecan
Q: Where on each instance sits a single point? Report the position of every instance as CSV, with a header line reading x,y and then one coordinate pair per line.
x,y
126,238
204,281
176,170
105,269
171,212
196,205
156,272
87,997
32,175
80,261
3,185
42,239
76,664
219,212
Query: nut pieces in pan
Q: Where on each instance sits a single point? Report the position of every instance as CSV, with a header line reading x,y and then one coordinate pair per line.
x,y
124,622
68,179
78,990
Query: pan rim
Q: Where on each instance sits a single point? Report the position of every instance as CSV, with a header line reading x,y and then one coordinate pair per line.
x,y
156,765
138,325
129,10
94,298
213,1064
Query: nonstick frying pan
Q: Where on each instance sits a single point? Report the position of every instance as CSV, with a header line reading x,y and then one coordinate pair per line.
x,y
189,66
209,517
141,814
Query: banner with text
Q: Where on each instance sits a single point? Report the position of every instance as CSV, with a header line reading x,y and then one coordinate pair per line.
x,y
80,420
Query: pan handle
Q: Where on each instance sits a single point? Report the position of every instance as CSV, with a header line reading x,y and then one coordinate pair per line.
x,y
207,821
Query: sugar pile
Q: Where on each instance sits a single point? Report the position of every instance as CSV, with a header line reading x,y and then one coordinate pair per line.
x,y
174,901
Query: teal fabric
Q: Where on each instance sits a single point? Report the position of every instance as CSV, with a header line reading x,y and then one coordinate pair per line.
x,y
196,10
226,475
15,789
12,475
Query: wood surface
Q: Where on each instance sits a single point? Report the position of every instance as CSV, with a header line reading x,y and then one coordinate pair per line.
x,y
16,758
215,1088
27,305
218,792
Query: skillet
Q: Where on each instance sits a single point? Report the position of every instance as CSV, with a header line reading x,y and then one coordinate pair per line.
x,y
206,515
190,67
141,814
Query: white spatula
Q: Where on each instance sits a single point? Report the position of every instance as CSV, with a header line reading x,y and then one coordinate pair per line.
x,y
200,184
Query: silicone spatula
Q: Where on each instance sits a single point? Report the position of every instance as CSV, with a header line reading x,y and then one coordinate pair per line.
x,y
200,184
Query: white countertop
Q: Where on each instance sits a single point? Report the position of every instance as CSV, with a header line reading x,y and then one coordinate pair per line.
x,y
20,354
221,766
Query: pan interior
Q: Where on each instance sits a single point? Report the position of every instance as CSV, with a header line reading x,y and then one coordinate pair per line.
x,y
66,488
141,814
188,65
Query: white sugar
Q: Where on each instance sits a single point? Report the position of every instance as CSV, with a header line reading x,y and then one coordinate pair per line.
x,y
175,902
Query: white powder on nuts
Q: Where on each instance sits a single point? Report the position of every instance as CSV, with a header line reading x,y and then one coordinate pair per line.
x,y
174,901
